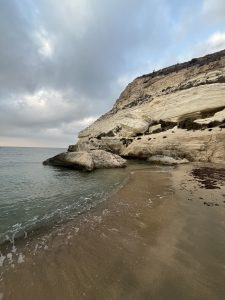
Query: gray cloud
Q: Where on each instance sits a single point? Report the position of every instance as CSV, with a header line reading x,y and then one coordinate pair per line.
x,y
62,64
214,9
90,52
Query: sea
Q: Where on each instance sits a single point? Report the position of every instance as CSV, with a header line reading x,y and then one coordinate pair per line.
x,y
159,237
34,196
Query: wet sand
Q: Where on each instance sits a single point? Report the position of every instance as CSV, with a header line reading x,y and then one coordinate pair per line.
x,y
156,238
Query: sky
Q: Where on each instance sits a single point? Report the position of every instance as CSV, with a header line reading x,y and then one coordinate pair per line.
x,y
64,63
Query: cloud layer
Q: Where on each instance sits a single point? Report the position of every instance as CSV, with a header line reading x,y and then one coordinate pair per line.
x,y
62,64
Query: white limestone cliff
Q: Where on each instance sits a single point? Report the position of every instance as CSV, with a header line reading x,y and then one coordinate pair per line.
x,y
176,112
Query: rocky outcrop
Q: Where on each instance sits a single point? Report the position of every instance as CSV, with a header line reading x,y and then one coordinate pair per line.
x,y
77,160
177,112
88,161
166,160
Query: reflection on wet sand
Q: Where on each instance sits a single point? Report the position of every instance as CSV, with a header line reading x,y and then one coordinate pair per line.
x,y
153,239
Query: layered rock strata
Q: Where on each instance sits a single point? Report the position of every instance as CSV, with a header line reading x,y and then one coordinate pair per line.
x,y
177,112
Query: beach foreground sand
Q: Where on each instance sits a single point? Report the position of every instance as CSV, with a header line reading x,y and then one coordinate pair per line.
x,y
161,236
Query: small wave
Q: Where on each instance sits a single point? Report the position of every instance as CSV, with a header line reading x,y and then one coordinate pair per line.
x,y
47,196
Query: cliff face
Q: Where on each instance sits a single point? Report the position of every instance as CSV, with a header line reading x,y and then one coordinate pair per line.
x,y
174,115
178,111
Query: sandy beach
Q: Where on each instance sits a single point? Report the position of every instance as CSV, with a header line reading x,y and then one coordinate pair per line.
x,y
161,236
112,150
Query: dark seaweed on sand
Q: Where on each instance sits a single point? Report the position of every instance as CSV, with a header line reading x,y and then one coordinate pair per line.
x,y
209,178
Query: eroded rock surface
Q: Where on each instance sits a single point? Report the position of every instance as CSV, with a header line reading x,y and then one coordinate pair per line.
x,y
83,160
78,160
178,112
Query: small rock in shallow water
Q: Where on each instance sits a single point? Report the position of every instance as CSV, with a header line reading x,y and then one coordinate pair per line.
x,y
20,258
166,160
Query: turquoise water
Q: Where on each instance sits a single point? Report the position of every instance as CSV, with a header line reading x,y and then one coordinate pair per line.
x,y
33,195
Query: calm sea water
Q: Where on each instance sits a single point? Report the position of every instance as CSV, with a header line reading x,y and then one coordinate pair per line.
x,y
33,195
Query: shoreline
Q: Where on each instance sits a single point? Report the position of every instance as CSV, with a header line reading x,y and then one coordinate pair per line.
x,y
39,229
131,243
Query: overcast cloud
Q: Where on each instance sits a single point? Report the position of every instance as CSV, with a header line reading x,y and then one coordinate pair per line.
x,y
64,63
